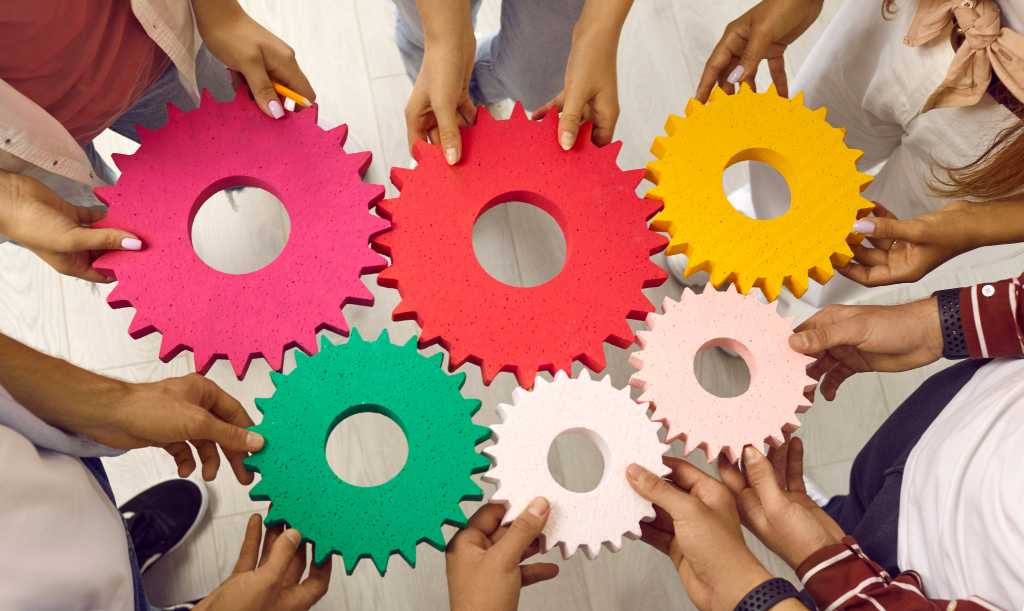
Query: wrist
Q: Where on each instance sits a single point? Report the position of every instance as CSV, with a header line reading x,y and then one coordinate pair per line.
x,y
738,584
927,312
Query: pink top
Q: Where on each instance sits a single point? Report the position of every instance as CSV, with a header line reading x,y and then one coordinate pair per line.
x,y
83,61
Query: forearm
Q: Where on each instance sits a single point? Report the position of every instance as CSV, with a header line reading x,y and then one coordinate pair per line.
x,y
444,20
210,12
52,389
603,18
994,222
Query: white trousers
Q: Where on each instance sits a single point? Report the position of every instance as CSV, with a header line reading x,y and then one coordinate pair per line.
x,y
874,86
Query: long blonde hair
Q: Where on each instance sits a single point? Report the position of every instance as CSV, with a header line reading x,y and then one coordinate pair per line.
x,y
999,171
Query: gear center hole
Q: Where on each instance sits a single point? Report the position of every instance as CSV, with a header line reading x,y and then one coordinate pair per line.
x,y
367,448
576,460
518,243
764,167
239,227
723,367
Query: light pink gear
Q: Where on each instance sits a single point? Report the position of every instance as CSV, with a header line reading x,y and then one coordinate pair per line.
x,y
265,312
665,363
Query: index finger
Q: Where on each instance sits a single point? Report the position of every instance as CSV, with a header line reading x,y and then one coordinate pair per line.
x,y
488,518
718,62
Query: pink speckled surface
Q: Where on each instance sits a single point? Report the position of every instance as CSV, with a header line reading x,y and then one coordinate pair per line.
x,y
665,364
262,313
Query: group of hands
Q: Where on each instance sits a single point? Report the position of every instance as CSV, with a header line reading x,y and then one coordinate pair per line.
x,y
696,525
698,517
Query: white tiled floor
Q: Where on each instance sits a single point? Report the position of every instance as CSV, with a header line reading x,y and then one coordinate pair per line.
x,y
346,48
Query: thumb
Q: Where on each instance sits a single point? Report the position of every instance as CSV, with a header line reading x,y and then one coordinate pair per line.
x,y
570,119
890,228
761,476
848,332
448,129
203,425
255,73
82,239
523,531
281,554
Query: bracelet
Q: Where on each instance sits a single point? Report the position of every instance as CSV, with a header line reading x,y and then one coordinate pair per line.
x,y
954,345
767,595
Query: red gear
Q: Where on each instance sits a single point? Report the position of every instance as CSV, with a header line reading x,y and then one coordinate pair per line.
x,y
505,328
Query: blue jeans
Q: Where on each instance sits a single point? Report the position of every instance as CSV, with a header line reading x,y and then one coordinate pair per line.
x,y
524,61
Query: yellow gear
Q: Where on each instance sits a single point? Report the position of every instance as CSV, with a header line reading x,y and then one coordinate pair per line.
x,y
809,239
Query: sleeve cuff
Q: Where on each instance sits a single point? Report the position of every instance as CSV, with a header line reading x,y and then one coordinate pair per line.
x,y
989,314
832,572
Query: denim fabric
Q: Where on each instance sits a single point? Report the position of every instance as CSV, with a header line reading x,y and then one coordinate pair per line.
x,y
525,60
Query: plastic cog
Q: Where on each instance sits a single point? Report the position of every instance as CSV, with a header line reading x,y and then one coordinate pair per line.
x,y
614,422
262,313
505,328
357,521
812,238
766,412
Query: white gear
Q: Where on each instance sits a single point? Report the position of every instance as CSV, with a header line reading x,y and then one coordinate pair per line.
x,y
616,424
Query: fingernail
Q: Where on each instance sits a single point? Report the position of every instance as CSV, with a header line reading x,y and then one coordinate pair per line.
x,y
566,140
131,244
294,535
275,108
451,155
735,76
253,441
539,507
798,342
635,472
864,226
750,454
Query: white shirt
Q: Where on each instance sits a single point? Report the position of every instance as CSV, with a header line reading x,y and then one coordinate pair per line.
x,y
64,544
961,522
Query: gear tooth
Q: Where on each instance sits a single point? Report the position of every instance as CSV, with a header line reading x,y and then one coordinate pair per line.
x,y
174,113
262,403
277,378
139,326
611,150
634,177
772,90
399,176
718,94
339,134
325,344
382,241
424,152
771,287
484,116
384,337
593,360
355,336
798,99
821,113
518,112
350,561
300,357
745,89
437,360
143,134
408,553
239,363
865,180
363,160
584,134
693,107
435,538
797,284
480,433
121,160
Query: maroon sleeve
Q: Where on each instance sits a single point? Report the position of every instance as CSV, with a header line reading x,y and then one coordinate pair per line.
x,y
842,577
991,318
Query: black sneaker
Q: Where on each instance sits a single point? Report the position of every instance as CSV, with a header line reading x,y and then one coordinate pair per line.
x,y
160,518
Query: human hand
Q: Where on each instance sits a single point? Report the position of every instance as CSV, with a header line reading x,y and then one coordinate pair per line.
x,y
696,524
270,580
774,505
483,560
906,250
440,103
243,45
591,91
57,232
761,33
845,340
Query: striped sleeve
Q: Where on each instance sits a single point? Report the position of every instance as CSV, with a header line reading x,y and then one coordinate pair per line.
x,y
841,576
992,319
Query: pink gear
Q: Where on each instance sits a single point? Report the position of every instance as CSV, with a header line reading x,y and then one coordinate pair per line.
x,y
265,312
778,375
506,328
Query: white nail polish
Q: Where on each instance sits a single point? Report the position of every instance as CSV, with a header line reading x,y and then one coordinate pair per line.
x,y
276,110
451,155
863,226
566,140
131,244
735,76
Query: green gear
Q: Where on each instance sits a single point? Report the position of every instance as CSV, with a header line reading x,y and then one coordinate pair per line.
x,y
357,521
